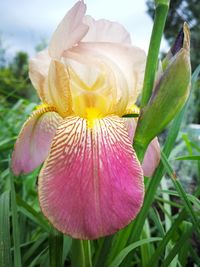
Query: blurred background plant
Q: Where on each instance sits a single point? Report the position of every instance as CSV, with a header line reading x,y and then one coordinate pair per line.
x,y
174,216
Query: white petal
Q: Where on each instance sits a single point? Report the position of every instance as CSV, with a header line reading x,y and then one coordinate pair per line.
x,y
70,31
105,31
38,71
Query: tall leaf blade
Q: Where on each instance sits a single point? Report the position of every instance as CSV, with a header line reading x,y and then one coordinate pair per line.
x,y
5,244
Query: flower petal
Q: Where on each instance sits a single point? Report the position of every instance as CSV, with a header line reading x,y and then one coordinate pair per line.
x,y
126,63
58,88
69,32
151,158
152,155
38,71
91,184
105,31
34,141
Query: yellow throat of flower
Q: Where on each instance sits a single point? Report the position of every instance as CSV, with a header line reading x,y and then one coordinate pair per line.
x,y
92,114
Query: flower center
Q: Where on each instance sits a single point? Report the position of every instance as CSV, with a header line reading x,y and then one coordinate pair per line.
x,y
91,115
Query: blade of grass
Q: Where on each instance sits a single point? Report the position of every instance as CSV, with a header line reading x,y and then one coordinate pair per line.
x,y
168,236
28,211
183,254
15,226
37,258
67,242
181,193
195,157
35,246
102,252
55,248
146,249
122,255
5,245
184,237
155,217
81,254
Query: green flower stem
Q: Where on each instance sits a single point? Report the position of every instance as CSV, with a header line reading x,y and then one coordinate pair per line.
x,y
154,47
81,253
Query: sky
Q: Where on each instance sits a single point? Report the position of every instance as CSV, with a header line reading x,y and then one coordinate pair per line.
x,y
25,23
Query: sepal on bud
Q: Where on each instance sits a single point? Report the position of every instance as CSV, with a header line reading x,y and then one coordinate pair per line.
x,y
170,93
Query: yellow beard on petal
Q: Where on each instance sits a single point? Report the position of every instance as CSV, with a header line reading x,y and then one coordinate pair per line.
x,y
45,107
92,115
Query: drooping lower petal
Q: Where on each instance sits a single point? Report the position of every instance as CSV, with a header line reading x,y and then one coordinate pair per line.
x,y
34,141
92,183
152,155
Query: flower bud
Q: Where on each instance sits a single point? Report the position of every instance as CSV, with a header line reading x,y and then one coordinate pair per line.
x,y
182,41
170,93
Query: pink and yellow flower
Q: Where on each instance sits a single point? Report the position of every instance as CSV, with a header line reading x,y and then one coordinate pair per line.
x,y
91,183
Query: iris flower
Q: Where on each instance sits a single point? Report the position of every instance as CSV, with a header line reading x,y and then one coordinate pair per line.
x,y
91,183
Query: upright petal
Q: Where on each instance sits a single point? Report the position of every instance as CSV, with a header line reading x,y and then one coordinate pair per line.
x,y
91,184
152,155
51,80
105,31
38,71
34,141
58,88
125,62
69,32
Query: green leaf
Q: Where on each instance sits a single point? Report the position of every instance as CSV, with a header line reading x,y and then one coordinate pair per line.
x,y
181,242
29,212
81,254
55,248
166,239
15,225
188,158
5,245
122,255
102,251
181,193
34,248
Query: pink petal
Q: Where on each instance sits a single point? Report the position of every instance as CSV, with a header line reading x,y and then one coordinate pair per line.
x,y
91,184
38,71
126,63
152,155
105,31
151,158
69,32
34,141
